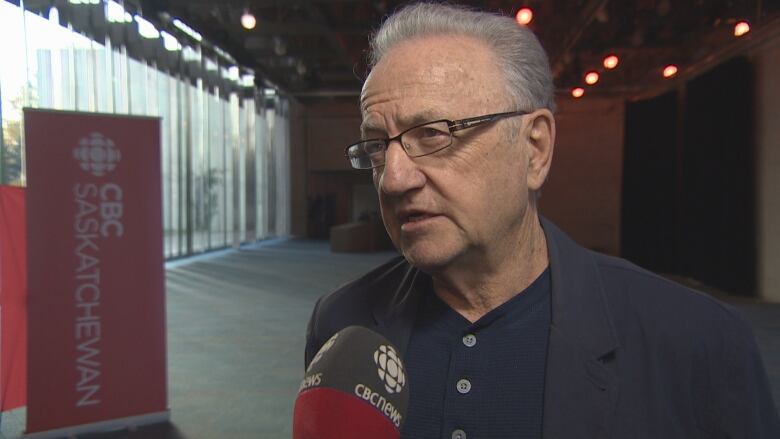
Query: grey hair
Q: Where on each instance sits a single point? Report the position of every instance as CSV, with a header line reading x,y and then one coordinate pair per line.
x,y
520,56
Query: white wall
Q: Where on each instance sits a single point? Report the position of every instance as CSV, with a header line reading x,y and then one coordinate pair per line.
x,y
767,62
583,192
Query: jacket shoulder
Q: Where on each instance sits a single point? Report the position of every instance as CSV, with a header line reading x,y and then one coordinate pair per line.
x,y
628,285
357,297
703,346
352,303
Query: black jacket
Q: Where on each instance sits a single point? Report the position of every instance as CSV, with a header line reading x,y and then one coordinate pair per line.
x,y
631,354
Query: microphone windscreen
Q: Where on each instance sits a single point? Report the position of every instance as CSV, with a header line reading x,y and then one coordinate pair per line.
x,y
354,388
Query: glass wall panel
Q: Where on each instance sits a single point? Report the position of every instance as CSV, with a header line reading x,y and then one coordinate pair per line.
x,y
224,156
282,174
103,74
261,183
12,93
202,216
241,146
82,63
45,86
151,76
229,157
183,219
173,170
120,81
136,78
164,105
209,175
270,173
248,132
217,171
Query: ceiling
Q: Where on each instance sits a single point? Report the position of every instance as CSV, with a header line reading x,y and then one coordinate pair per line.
x,y
317,48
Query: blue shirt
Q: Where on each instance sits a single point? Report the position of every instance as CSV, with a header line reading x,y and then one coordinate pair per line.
x,y
481,380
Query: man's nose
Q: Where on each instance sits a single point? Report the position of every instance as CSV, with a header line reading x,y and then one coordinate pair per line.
x,y
401,173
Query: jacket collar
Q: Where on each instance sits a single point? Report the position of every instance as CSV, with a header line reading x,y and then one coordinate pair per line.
x,y
394,310
579,307
580,387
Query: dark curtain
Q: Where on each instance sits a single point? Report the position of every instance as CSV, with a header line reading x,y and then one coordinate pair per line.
x,y
688,194
649,179
717,230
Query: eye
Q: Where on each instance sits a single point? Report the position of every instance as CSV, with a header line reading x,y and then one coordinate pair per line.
x,y
372,148
431,132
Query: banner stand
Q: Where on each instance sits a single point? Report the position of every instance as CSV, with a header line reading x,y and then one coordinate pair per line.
x,y
130,422
96,352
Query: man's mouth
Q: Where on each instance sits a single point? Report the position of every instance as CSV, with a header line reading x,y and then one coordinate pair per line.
x,y
417,217
411,219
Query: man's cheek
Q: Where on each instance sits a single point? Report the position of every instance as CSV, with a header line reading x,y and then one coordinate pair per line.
x,y
389,219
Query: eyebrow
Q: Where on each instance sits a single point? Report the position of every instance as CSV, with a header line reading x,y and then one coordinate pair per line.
x,y
405,121
367,126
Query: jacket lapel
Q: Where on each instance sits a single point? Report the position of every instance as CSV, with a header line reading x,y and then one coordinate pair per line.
x,y
394,311
580,387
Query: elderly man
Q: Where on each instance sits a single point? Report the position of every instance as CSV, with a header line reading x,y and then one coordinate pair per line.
x,y
507,327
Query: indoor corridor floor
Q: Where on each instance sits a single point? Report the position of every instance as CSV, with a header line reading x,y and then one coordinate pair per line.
x,y
236,323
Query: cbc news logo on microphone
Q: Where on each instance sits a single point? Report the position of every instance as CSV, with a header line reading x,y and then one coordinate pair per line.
x,y
390,369
325,348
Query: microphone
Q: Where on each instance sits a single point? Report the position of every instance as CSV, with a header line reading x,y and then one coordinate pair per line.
x,y
354,388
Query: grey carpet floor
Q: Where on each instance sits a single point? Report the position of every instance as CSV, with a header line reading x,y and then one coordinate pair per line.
x,y
236,335
236,322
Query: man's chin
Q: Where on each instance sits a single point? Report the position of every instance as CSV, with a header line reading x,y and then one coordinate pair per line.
x,y
428,257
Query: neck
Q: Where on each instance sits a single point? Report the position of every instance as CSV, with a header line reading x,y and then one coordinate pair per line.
x,y
480,282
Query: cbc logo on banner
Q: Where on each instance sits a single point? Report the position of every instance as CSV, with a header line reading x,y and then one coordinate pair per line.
x,y
390,370
97,154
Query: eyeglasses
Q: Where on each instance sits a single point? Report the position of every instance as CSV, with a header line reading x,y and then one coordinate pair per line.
x,y
417,141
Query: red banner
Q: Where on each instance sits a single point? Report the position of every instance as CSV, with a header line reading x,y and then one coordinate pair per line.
x,y
13,299
95,271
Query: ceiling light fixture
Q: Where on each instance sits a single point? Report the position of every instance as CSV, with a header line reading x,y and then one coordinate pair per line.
x,y
54,15
591,78
741,28
280,48
524,16
611,61
115,13
602,15
170,42
145,28
300,67
248,21
186,29
577,92
670,71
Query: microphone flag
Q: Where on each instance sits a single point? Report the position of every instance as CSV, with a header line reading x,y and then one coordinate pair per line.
x,y
355,387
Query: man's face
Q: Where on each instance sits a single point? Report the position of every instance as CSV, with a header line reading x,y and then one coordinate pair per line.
x,y
468,200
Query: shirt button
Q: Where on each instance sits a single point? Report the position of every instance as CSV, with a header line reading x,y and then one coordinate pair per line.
x,y
464,387
458,434
470,340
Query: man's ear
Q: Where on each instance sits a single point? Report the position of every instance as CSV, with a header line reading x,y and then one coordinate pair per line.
x,y
539,137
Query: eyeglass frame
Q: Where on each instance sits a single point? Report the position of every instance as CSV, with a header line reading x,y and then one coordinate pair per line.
x,y
452,126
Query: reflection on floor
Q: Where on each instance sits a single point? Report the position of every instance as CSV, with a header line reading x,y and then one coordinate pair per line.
x,y
236,322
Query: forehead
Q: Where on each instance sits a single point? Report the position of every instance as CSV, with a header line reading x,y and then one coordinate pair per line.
x,y
449,75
